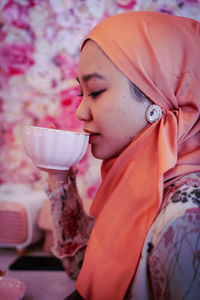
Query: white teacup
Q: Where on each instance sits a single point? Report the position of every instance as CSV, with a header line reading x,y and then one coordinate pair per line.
x,y
54,148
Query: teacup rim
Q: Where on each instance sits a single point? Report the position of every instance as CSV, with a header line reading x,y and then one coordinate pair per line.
x,y
60,130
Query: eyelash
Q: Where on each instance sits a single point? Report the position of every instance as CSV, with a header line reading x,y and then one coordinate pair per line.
x,y
94,94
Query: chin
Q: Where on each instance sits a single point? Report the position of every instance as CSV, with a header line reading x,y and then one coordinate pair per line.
x,y
99,153
98,156
103,155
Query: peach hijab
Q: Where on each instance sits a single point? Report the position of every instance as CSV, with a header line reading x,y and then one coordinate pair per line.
x,y
160,53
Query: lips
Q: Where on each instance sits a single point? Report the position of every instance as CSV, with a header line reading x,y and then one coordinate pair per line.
x,y
93,135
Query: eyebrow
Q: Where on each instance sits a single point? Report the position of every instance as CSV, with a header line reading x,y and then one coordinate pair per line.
x,y
90,76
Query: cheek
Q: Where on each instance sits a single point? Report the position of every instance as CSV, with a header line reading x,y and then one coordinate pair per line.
x,y
103,115
108,123
114,121
115,113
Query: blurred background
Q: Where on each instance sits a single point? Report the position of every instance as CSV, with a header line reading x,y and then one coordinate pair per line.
x,y
39,50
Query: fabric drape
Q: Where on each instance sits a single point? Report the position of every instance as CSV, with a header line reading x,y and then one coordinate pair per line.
x,y
160,54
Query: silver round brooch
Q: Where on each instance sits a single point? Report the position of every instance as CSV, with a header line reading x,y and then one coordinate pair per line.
x,y
153,113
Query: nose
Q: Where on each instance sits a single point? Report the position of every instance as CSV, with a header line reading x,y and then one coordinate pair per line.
x,y
83,112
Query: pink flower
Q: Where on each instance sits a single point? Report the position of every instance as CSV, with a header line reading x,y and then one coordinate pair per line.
x,y
7,136
16,58
126,4
16,14
68,105
67,66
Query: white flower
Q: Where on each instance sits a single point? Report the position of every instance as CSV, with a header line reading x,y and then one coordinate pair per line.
x,y
14,35
61,5
38,16
97,8
65,41
43,76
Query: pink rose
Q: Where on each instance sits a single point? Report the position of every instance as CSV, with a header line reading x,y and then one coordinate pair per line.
x,y
68,105
16,14
16,58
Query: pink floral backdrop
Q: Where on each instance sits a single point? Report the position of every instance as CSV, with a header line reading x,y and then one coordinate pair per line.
x,y
39,50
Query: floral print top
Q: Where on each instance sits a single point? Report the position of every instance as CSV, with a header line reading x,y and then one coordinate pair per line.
x,y
71,225
169,268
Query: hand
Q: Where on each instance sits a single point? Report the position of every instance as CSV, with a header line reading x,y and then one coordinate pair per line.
x,y
56,178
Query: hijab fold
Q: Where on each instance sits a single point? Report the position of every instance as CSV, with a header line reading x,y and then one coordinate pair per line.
x,y
128,200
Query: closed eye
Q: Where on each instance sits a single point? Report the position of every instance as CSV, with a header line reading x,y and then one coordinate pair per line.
x,y
96,94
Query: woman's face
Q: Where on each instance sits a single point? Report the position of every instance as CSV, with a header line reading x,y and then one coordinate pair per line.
x,y
110,111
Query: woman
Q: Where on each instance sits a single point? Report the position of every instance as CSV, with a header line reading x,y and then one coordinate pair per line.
x,y
139,80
